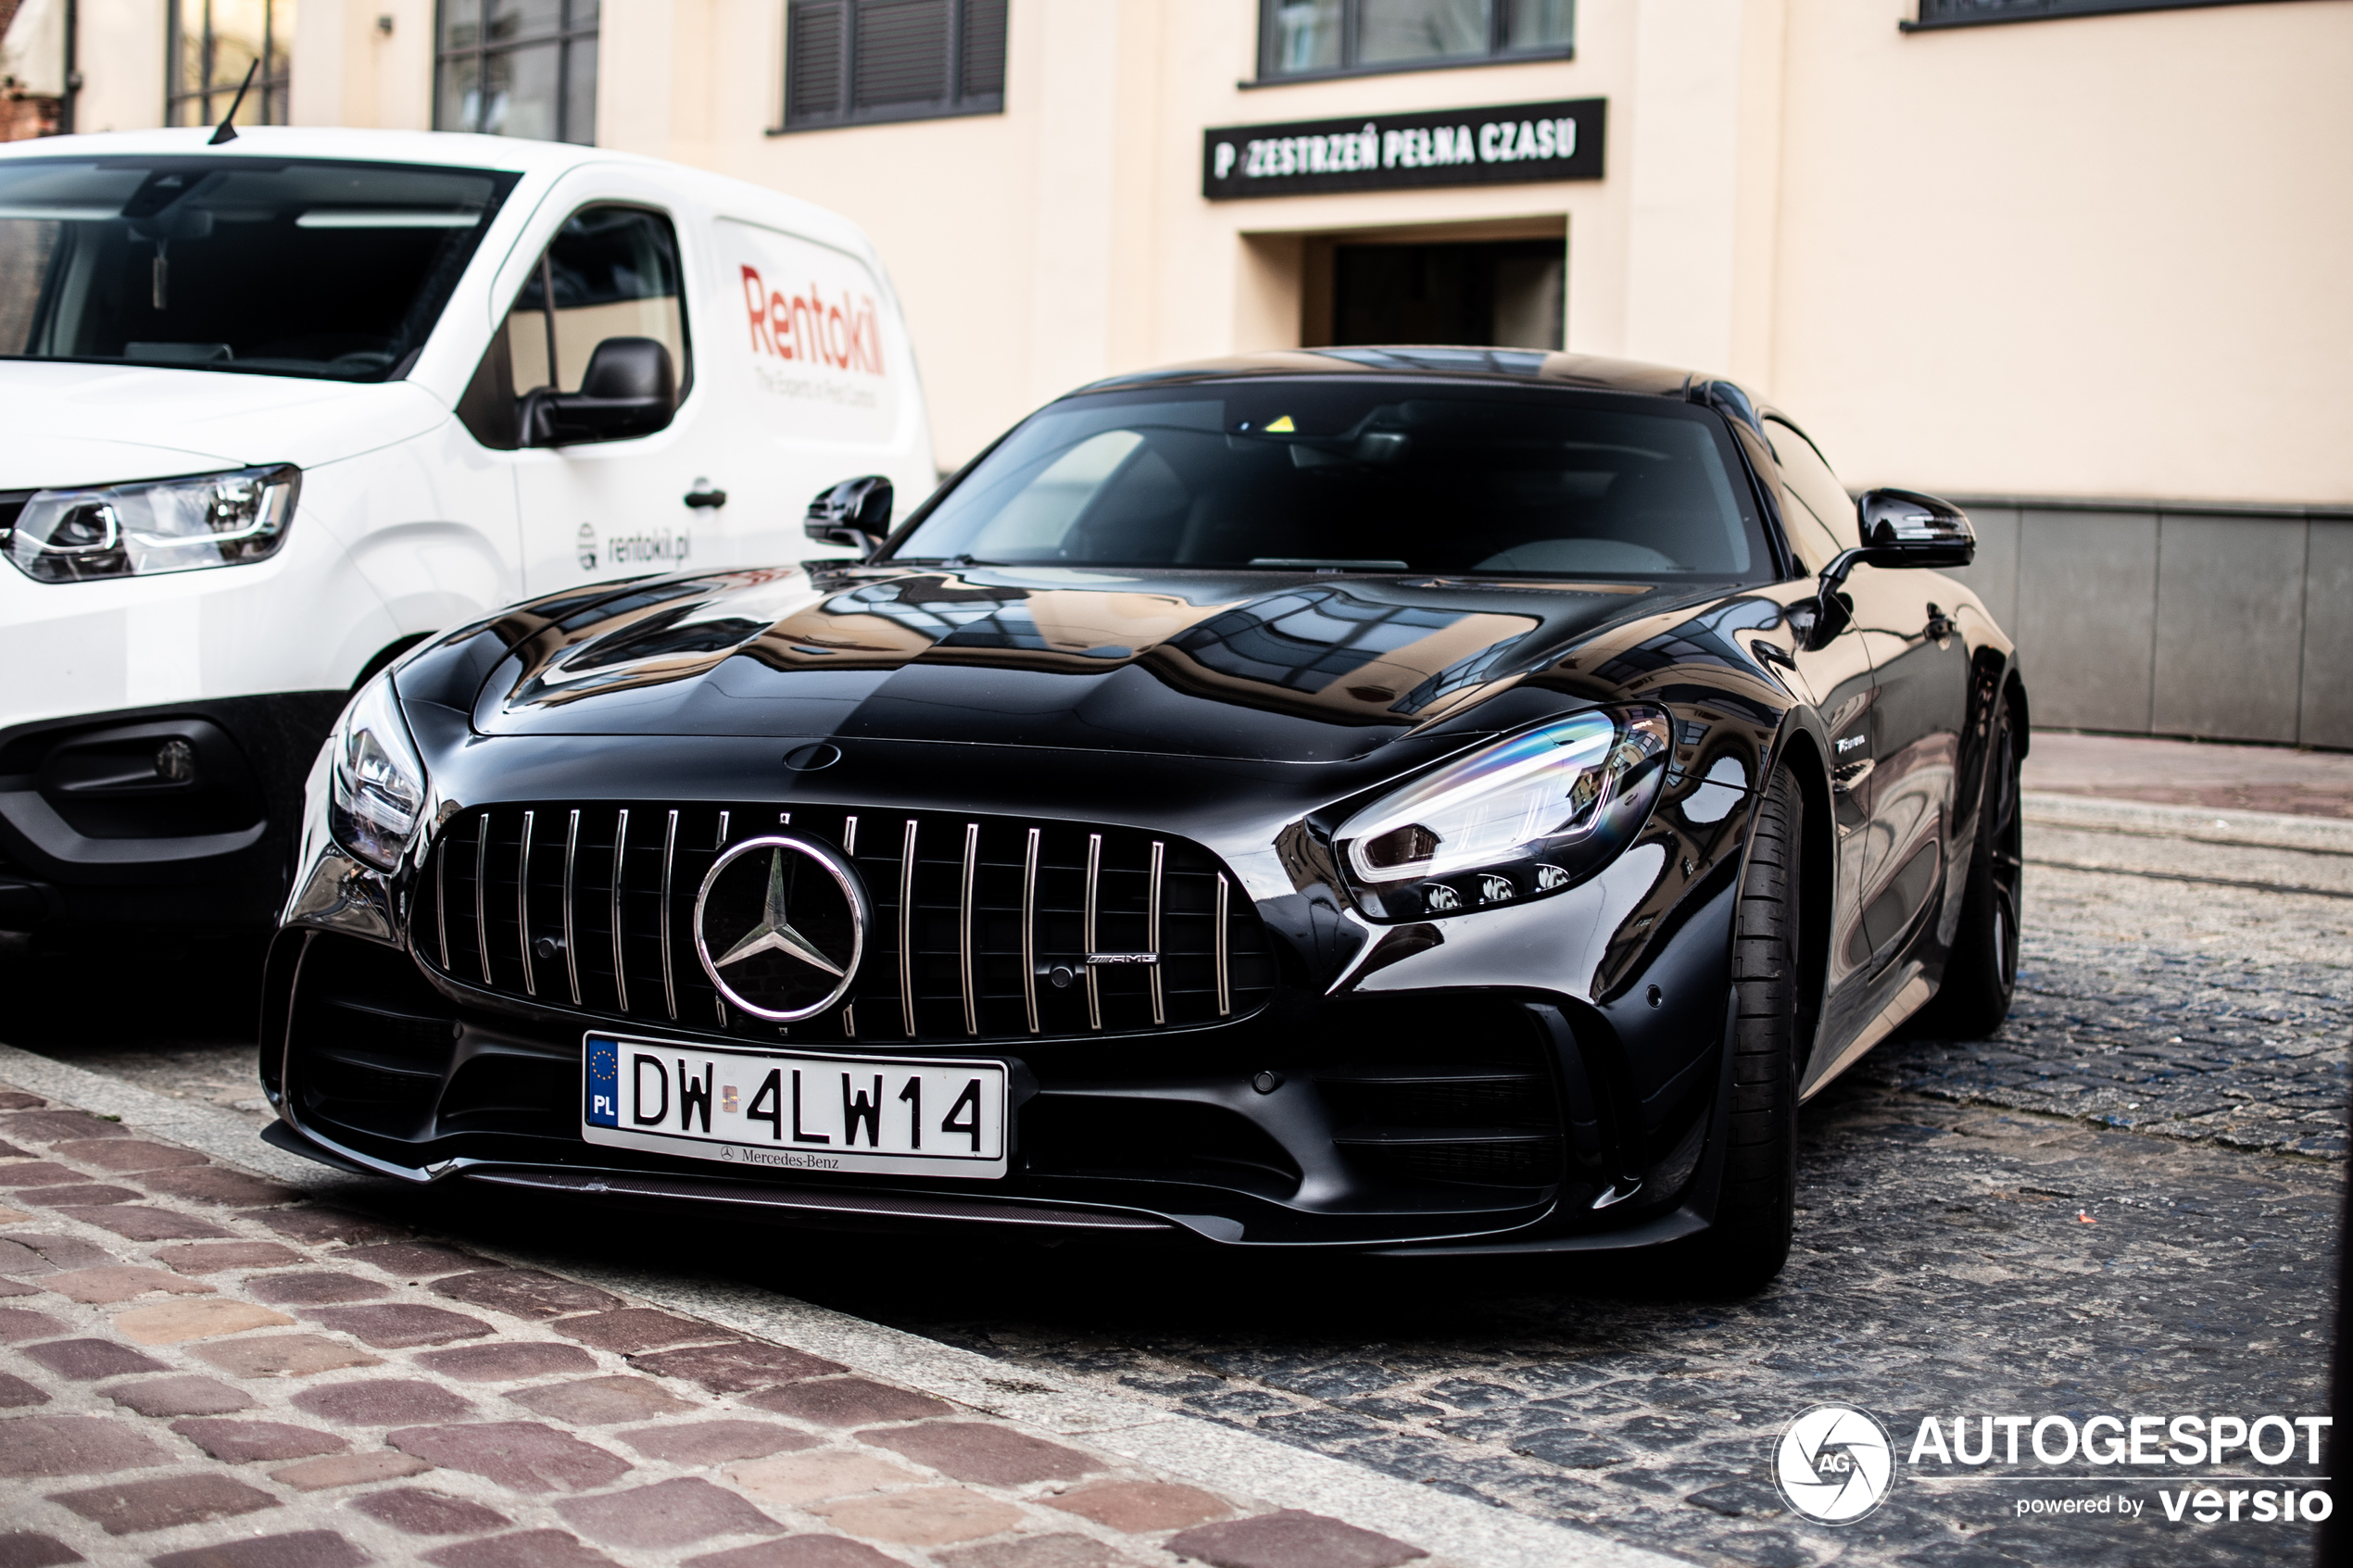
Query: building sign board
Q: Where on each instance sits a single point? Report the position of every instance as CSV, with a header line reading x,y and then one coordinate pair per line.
x,y
1503,144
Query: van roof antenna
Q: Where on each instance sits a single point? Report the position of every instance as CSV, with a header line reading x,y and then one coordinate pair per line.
x,y
228,132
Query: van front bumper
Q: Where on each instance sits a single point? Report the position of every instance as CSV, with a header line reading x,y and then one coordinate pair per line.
x,y
182,815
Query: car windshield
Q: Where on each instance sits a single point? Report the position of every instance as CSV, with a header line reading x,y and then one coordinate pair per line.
x,y
279,267
1310,475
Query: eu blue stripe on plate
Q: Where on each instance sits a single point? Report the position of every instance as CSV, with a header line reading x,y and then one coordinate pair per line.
x,y
604,1083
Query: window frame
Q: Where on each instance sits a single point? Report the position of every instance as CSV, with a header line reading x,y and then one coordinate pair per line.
x,y
564,38
1844,529
1938,16
1351,29
271,94
959,103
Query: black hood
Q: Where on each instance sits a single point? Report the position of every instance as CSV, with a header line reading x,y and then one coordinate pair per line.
x,y
1251,666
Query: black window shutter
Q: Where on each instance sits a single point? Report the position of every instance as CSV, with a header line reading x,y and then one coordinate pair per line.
x,y
851,62
984,50
816,46
903,52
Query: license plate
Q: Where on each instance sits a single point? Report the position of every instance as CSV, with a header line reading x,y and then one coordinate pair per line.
x,y
793,1110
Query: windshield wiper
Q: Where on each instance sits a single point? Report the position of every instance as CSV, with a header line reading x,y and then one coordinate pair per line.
x,y
1316,563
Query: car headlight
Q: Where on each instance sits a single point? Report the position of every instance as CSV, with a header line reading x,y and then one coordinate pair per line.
x,y
375,785
162,525
1527,817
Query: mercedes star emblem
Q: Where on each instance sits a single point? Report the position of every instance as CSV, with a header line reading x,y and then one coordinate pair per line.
x,y
787,917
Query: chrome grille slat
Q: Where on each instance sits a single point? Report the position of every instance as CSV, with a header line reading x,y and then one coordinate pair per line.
x,y
1028,930
481,881
571,948
1094,892
522,906
1151,935
987,910
907,928
964,927
620,870
1225,990
669,881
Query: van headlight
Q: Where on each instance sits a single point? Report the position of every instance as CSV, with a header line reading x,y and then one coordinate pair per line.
x,y
158,526
1526,817
375,784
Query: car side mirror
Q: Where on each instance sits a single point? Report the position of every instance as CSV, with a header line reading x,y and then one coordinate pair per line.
x,y
855,512
1905,528
1900,528
630,388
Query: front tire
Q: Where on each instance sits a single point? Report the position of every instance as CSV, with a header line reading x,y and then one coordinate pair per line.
x,y
1757,1208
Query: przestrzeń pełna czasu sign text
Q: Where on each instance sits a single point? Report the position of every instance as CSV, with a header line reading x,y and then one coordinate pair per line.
x,y
1503,143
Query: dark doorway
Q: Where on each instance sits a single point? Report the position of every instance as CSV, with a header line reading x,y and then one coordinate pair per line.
x,y
1499,293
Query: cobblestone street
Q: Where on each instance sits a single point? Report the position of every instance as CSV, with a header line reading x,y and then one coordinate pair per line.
x,y
1980,1237
2125,1204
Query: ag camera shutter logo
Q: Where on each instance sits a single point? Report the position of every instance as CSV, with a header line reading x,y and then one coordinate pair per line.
x,y
1833,1464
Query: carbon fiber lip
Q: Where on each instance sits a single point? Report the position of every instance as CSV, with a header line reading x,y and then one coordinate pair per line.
x,y
877,1204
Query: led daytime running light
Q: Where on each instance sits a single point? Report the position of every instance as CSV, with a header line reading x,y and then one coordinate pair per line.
x,y
1530,815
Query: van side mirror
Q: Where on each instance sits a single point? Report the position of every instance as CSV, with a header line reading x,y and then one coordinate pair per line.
x,y
630,388
1900,528
855,512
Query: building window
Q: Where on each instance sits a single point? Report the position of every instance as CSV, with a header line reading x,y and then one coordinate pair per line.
x,y
1311,38
855,62
1977,13
516,67
213,44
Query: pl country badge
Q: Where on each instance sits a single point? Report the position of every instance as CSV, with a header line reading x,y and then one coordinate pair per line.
x,y
1833,1464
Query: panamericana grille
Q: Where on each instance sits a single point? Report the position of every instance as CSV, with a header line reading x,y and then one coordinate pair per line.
x,y
981,930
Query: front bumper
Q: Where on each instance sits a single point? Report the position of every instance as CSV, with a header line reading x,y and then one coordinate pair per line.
x,y
1402,1113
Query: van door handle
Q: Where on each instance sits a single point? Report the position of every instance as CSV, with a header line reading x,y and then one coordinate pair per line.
x,y
702,494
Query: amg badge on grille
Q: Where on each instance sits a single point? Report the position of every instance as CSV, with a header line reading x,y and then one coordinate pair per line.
x,y
780,924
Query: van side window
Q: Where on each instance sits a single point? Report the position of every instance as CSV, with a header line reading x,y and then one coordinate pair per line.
x,y
611,272
1823,522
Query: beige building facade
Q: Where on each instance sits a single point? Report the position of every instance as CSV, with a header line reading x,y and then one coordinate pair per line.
x,y
2078,262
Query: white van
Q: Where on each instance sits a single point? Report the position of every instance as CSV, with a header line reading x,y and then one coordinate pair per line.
x,y
271,411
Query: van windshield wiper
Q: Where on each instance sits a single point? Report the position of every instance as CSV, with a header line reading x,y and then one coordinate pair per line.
x,y
1317,563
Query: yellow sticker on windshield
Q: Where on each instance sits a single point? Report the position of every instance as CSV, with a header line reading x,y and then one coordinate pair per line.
x,y
1282,427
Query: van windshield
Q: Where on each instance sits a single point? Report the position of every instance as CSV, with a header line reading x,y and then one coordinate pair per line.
x,y
1306,474
287,267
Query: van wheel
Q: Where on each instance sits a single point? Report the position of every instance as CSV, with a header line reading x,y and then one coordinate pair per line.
x,y
1981,973
1756,1209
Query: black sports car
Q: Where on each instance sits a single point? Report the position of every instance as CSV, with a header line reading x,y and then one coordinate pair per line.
x,y
1404,799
